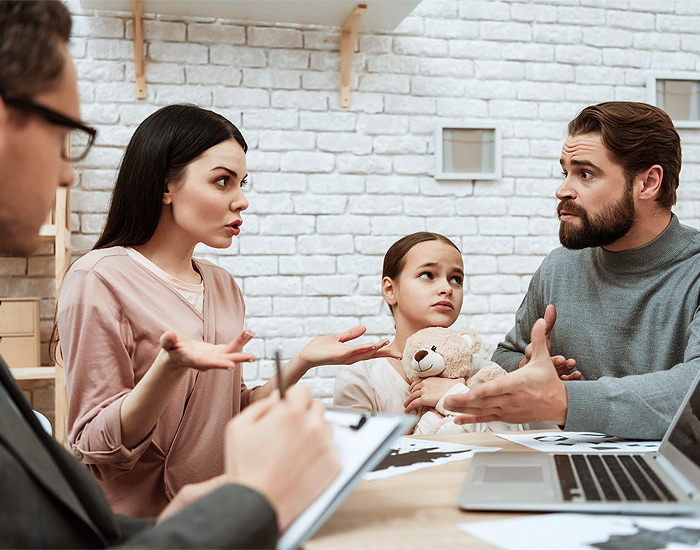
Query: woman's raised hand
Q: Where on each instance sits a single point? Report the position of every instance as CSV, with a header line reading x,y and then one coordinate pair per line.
x,y
195,354
332,349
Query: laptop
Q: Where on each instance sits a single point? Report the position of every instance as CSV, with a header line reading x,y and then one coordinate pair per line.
x,y
664,482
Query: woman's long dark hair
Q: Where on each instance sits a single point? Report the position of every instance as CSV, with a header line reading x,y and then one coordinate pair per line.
x,y
159,152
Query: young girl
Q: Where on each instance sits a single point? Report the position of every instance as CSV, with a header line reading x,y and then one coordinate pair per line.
x,y
148,405
422,282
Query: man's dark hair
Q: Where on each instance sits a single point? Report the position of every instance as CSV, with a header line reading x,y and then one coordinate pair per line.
x,y
30,61
638,136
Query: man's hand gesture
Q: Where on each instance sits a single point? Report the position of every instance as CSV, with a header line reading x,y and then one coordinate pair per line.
x,y
563,365
533,393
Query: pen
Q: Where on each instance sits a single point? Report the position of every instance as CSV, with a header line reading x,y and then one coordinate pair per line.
x,y
279,374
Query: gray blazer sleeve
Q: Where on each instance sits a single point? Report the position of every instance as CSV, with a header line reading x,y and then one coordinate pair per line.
x,y
233,516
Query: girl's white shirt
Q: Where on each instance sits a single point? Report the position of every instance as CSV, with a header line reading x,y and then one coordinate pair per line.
x,y
192,292
372,385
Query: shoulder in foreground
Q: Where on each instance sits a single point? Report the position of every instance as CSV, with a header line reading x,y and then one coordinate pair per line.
x,y
691,233
104,257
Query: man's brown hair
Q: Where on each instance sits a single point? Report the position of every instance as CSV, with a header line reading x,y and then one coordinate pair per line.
x,y
638,136
30,61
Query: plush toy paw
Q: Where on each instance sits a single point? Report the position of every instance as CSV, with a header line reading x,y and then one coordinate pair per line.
x,y
429,423
485,374
449,427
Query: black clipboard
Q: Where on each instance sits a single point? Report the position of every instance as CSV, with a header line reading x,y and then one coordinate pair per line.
x,y
363,439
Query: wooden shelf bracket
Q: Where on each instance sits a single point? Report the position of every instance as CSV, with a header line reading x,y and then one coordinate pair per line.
x,y
139,61
348,41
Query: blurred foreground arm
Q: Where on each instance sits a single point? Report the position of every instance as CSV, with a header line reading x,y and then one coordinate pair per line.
x,y
279,457
284,450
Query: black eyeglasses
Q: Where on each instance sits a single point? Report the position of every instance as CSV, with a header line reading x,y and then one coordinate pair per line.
x,y
80,138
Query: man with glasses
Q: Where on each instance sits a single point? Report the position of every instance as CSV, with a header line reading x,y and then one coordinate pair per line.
x,y
279,455
80,137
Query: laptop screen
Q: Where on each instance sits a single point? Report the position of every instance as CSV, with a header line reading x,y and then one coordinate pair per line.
x,y
685,435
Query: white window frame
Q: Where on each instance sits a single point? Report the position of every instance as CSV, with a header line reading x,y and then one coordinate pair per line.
x,y
651,93
461,125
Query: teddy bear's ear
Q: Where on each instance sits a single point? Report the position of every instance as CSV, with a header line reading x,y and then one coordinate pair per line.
x,y
471,338
468,338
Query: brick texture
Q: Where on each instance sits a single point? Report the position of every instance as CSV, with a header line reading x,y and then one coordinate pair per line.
x,y
332,188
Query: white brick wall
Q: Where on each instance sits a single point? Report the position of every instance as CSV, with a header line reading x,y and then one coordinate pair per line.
x,y
332,188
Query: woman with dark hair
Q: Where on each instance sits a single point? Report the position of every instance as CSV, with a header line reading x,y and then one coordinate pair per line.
x,y
152,338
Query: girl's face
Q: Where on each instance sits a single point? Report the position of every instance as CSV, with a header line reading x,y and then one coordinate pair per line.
x,y
428,292
206,205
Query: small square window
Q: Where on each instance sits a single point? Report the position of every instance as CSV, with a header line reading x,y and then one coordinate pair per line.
x,y
467,152
678,96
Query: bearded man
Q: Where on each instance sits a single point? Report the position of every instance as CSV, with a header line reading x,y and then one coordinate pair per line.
x,y
624,290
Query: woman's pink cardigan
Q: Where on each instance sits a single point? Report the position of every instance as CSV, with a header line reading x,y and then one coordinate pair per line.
x,y
111,313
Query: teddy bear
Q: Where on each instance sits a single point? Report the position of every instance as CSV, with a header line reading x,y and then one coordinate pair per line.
x,y
449,353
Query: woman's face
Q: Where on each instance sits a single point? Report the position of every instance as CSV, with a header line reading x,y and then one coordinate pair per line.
x,y
206,205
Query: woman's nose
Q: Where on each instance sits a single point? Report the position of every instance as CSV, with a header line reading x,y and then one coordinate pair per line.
x,y
239,203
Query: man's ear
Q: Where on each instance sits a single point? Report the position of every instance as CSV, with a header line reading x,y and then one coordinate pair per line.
x,y
4,120
167,196
389,291
650,181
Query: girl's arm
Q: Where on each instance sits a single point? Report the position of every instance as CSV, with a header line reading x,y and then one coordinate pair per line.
x,y
142,407
330,349
427,392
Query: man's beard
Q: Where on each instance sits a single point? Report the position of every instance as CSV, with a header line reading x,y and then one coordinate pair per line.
x,y
603,229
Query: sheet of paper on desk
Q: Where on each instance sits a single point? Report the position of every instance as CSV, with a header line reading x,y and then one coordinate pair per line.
x,y
579,442
588,531
408,455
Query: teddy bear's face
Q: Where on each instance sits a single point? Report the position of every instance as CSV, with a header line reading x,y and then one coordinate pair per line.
x,y
438,351
427,362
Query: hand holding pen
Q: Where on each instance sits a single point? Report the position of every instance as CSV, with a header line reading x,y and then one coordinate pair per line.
x,y
278,367
283,448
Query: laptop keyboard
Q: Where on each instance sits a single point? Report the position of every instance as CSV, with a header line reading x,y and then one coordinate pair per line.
x,y
609,478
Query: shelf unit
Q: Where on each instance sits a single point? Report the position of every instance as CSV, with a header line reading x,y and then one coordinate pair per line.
x,y
349,15
56,230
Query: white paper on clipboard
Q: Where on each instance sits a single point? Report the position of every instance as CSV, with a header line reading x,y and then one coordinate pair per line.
x,y
362,440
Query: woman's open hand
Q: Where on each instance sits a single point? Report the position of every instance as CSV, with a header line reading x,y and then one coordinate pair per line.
x,y
332,349
195,354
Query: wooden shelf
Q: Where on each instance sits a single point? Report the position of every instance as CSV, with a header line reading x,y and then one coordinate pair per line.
x,y
49,232
381,14
349,15
34,373
56,229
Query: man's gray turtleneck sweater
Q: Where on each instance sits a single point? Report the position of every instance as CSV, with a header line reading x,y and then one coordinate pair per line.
x,y
630,319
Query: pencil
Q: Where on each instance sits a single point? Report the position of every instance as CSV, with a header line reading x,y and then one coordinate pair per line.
x,y
279,374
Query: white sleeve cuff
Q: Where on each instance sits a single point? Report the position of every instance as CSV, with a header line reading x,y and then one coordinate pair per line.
x,y
454,390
